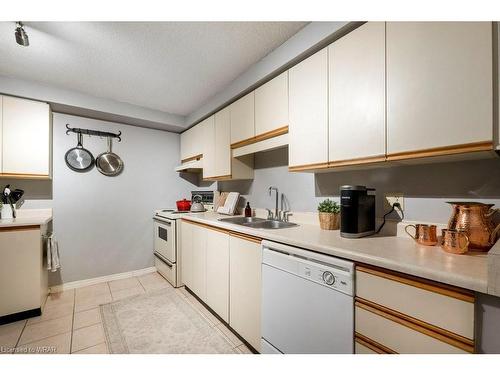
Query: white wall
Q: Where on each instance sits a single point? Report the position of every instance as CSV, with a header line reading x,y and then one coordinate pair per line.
x,y
104,224
426,188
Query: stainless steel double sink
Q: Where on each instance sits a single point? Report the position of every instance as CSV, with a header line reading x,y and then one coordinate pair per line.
x,y
258,223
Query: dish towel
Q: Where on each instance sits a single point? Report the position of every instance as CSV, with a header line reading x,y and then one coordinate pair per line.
x,y
52,254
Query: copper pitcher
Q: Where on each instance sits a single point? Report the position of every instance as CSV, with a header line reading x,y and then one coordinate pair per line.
x,y
475,219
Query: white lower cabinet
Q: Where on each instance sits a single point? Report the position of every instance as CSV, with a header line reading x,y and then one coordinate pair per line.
x,y
194,258
199,259
217,272
396,313
224,271
245,288
186,253
23,270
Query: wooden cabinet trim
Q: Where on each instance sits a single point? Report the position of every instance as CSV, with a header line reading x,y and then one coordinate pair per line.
x,y
196,157
415,321
440,151
19,228
307,167
448,340
366,160
261,137
431,286
373,345
246,237
206,226
26,176
218,178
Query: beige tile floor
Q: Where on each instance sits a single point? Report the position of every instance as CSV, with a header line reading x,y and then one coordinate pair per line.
x,y
71,321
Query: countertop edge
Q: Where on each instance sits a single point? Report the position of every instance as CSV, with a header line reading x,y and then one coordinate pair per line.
x,y
473,284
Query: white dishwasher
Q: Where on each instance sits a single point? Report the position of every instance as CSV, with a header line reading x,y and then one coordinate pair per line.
x,y
307,302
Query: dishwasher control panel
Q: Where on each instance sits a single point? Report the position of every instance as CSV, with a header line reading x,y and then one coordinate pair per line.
x,y
328,271
328,276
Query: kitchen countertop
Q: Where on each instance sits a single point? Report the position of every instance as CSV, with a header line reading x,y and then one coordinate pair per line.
x,y
391,252
27,217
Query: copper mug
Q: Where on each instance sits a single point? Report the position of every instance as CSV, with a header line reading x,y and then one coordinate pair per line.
x,y
424,234
454,241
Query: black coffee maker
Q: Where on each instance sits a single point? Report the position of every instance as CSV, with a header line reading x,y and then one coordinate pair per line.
x,y
357,211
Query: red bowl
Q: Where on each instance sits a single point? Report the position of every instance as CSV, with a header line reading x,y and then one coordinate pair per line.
x,y
183,205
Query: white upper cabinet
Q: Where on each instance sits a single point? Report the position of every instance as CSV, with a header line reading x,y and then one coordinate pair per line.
x,y
26,137
357,95
308,109
223,143
243,118
192,142
439,86
208,138
271,105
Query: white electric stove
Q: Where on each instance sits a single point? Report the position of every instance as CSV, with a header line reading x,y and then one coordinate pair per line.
x,y
166,224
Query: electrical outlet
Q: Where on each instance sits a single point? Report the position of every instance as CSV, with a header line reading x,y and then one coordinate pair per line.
x,y
392,198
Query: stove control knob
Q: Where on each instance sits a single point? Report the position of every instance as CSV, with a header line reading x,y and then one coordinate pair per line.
x,y
328,278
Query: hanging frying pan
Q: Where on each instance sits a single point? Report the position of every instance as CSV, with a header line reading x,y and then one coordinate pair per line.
x,y
108,163
78,158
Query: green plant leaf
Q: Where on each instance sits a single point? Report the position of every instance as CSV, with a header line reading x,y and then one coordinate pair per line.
x,y
329,206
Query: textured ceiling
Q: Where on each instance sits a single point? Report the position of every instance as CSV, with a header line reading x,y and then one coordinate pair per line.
x,y
169,66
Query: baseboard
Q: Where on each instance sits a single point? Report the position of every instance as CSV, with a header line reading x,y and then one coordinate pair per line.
x,y
101,279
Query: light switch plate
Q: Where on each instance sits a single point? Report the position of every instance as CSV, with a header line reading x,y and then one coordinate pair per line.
x,y
391,198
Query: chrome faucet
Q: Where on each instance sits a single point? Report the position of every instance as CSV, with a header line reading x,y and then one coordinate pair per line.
x,y
276,211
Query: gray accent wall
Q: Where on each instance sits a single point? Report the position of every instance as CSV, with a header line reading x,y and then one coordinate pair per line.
x,y
426,187
104,224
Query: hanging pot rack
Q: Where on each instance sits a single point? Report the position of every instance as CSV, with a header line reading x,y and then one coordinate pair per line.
x,y
91,132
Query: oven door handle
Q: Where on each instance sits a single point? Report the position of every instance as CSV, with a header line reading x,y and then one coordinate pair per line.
x,y
162,221
164,260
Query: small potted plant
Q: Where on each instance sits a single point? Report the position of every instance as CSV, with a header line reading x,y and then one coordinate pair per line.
x,y
329,214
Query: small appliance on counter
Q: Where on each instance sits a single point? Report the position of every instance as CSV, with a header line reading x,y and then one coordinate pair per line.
x,y
11,200
357,211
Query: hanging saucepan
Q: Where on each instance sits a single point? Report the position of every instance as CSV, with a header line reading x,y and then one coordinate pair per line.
x,y
78,158
108,163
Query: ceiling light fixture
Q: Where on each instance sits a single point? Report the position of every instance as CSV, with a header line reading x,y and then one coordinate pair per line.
x,y
21,35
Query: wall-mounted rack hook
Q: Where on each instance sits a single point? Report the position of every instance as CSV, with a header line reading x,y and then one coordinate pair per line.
x,y
91,132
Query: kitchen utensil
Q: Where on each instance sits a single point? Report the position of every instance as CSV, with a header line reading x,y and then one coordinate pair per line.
x,y
78,158
108,163
8,209
424,234
475,219
454,241
197,206
183,205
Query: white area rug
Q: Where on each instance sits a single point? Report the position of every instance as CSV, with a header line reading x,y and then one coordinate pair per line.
x,y
160,322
